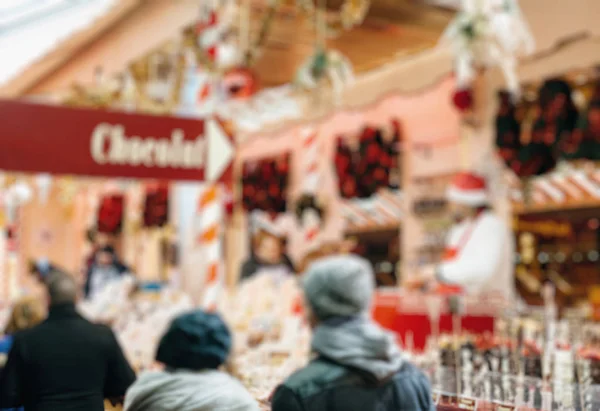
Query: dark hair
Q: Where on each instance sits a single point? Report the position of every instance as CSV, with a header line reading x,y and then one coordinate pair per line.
x,y
109,249
90,234
482,208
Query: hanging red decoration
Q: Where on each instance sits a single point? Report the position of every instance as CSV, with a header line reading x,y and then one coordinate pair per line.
x,y
463,99
264,184
110,214
362,173
156,205
240,83
228,202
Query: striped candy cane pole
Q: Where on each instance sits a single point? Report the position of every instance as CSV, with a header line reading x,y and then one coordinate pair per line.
x,y
310,218
210,214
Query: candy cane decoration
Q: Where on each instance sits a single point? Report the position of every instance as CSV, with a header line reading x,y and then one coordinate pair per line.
x,y
311,221
210,214
209,33
311,160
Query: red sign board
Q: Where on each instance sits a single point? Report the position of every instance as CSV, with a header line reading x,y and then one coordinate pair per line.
x,y
60,140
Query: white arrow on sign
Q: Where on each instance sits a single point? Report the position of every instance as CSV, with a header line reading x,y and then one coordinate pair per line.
x,y
220,151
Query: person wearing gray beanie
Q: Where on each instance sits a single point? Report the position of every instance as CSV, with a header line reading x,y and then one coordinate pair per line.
x,y
339,286
358,365
192,350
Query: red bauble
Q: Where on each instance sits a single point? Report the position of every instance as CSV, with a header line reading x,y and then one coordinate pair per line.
x,y
463,99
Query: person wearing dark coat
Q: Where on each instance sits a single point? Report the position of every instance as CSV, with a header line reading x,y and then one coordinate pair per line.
x,y
106,267
65,363
358,366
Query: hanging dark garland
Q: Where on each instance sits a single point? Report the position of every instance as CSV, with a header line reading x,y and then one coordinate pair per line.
x,y
584,142
553,125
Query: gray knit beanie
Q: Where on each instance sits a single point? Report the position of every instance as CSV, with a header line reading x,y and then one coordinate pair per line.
x,y
339,286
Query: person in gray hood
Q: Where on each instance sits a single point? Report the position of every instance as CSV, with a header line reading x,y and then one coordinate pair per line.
x,y
358,366
193,348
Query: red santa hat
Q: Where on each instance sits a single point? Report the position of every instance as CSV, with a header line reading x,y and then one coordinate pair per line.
x,y
468,189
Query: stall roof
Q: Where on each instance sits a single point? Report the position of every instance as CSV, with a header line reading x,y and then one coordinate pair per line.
x,y
30,30
561,190
381,212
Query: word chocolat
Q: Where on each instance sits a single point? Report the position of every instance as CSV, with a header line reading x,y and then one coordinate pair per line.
x,y
110,145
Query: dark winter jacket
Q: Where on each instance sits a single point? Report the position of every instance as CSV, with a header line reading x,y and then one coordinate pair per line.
x,y
65,363
327,386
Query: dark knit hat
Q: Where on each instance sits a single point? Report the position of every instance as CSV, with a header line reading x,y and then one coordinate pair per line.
x,y
195,341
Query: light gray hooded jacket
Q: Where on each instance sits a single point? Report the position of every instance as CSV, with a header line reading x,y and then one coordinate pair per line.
x,y
188,391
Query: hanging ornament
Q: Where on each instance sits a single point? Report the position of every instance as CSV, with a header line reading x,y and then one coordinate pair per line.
x,y
463,99
325,66
240,83
212,31
16,196
351,14
22,192
43,183
488,33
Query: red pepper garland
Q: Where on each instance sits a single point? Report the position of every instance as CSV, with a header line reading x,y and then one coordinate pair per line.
x,y
554,133
265,183
156,206
361,174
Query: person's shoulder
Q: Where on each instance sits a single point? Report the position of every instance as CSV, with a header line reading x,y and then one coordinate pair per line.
x,y
238,395
31,333
316,376
103,332
491,217
409,371
492,221
412,378
237,398
5,344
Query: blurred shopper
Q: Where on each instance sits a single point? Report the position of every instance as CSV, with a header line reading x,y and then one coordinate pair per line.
x,y
358,366
65,363
41,268
192,350
97,241
268,253
479,254
26,313
106,268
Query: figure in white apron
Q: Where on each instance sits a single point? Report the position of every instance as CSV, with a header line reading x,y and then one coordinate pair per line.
x,y
479,253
